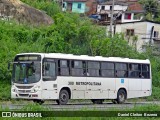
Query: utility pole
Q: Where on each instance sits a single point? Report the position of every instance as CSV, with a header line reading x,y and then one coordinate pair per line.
x,y
62,4
111,19
151,35
115,22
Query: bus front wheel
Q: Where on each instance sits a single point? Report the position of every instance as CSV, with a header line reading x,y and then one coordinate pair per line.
x,y
121,96
63,97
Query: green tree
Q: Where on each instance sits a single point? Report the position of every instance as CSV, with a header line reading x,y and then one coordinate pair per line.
x,y
113,47
151,7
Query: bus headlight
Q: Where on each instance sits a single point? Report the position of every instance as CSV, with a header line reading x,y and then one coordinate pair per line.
x,y
14,90
35,89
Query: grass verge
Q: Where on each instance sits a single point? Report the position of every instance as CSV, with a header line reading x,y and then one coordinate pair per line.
x,y
36,107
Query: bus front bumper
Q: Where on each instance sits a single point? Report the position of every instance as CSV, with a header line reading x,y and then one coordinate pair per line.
x,y
36,95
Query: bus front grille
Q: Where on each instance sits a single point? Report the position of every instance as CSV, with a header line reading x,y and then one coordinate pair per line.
x,y
23,95
24,87
24,91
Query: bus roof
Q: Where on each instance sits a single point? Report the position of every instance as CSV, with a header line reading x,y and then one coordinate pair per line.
x,y
86,57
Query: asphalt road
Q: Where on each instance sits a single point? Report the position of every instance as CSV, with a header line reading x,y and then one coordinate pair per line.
x,y
84,105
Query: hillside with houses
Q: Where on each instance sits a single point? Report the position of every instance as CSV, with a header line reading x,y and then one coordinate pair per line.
x,y
129,18
137,20
127,15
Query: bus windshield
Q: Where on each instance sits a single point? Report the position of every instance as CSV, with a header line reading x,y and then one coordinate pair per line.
x,y
25,73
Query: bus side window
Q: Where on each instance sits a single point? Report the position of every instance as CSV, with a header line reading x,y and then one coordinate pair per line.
x,y
145,71
134,70
93,68
107,69
121,69
63,67
77,68
49,69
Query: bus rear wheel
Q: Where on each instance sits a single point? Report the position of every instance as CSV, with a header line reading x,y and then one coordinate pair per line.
x,y
99,101
63,97
121,96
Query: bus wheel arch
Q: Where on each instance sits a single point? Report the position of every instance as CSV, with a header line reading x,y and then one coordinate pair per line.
x,y
68,90
64,96
121,95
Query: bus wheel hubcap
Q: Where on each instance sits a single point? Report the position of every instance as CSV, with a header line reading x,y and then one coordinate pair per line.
x,y
121,97
63,97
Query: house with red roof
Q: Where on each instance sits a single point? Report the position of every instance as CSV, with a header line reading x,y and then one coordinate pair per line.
x,y
133,13
124,11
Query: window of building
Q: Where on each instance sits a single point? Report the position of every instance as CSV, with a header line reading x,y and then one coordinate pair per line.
x,y
110,7
121,70
63,5
155,34
63,67
49,69
78,68
102,7
127,16
107,69
130,32
93,69
145,71
134,71
136,16
79,6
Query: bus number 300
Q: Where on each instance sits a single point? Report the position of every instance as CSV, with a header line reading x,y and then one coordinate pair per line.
x,y
70,83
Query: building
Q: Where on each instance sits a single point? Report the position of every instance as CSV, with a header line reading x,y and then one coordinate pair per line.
x,y
133,13
104,10
124,11
140,33
80,6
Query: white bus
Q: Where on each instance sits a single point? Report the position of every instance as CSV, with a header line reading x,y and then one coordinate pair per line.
x,y
60,77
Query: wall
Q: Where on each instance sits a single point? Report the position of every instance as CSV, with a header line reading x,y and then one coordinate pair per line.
x,y
75,7
157,28
119,8
116,7
131,20
79,10
64,6
142,30
91,7
139,30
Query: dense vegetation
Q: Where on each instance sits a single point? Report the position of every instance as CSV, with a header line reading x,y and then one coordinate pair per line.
x,y
152,9
70,33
